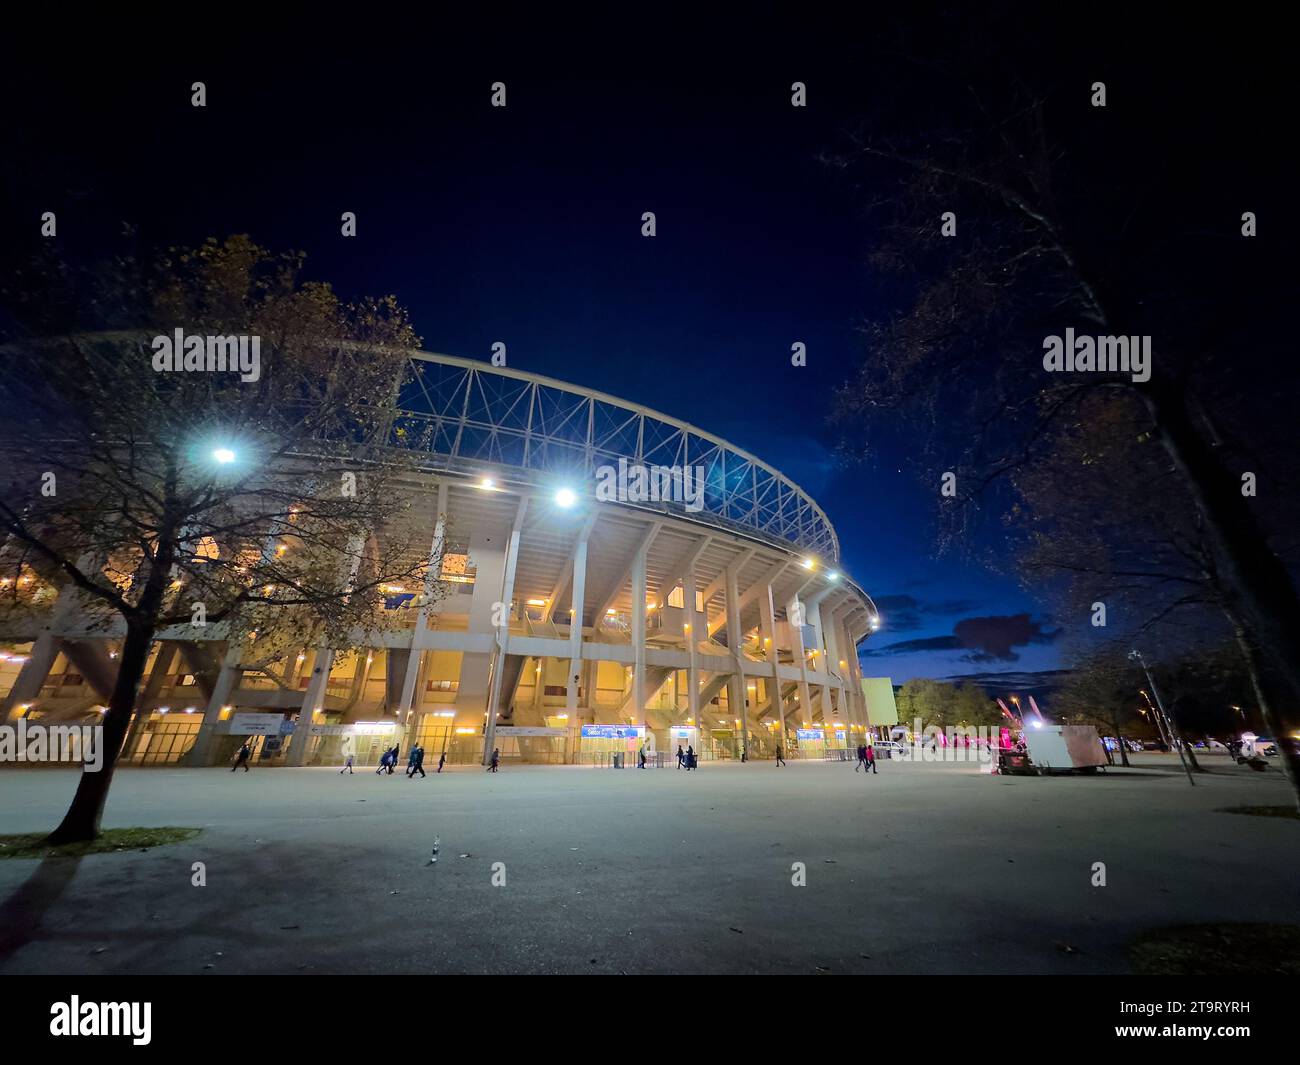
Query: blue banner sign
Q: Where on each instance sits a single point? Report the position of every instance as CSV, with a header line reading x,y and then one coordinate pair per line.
x,y
613,732
809,733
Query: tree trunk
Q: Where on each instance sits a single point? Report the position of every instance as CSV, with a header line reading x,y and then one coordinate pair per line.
x,y
1123,749
81,822
1255,668
1258,587
1182,740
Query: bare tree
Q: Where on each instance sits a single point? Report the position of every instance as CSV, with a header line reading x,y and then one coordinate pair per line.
x,y
259,504
1045,245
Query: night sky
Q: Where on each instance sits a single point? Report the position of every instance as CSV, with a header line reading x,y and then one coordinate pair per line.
x,y
523,225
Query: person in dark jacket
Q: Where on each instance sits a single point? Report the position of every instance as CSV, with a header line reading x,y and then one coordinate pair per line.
x,y
383,761
690,757
442,760
681,756
779,760
496,760
245,753
392,762
417,762
641,757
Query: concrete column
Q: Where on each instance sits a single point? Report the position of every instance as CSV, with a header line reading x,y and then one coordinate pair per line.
x,y
767,624
162,664
312,699
422,616
201,753
691,630
639,693
575,623
736,690
821,666
539,688
31,678
45,649
502,630
794,612
853,680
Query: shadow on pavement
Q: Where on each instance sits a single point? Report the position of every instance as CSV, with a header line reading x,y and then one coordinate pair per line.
x,y
21,913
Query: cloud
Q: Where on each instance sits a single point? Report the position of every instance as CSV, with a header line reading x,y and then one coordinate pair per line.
x,y
993,639
932,643
902,613
984,639
906,613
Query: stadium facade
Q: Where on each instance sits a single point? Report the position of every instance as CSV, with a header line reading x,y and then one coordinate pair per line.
x,y
609,577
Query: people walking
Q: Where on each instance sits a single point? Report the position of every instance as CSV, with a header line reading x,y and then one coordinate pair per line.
x,y
384,760
870,751
347,765
681,756
690,758
496,760
779,759
640,763
442,760
245,753
392,762
862,758
417,762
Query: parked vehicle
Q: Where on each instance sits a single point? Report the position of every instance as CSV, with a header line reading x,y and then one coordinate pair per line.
x,y
891,749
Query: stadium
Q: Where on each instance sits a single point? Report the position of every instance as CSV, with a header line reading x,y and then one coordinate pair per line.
x,y
607,578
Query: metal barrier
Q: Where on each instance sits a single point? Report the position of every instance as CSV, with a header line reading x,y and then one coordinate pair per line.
x,y
626,760
839,754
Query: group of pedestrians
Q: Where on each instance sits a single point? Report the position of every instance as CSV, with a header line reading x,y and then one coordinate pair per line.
x,y
866,759
414,762
686,759
387,761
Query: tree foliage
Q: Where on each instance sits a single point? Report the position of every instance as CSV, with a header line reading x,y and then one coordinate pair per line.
x,y
264,509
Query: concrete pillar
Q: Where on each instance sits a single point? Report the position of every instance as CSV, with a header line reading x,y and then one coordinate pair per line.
x,y
45,649
502,631
767,624
639,591
31,678
576,612
201,753
795,620
313,698
736,690
162,664
422,616
691,630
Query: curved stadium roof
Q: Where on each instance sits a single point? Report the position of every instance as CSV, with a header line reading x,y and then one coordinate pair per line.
x,y
474,417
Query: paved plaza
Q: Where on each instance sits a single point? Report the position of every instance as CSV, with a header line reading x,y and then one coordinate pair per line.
x,y
922,868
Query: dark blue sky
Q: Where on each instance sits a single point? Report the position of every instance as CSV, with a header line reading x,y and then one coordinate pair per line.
x,y
523,225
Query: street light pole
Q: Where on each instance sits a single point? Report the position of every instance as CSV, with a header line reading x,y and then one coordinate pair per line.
x,y
1168,724
1155,716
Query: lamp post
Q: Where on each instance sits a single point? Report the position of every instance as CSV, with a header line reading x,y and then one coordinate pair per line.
x,y
1155,716
1136,656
